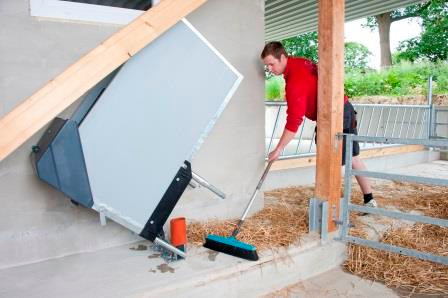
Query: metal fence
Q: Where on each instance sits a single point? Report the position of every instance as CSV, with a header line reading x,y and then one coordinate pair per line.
x,y
374,120
347,206
439,125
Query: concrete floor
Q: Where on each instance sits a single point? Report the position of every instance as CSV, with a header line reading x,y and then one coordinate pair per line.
x,y
133,271
335,283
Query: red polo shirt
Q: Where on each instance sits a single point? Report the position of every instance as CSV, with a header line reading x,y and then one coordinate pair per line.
x,y
301,91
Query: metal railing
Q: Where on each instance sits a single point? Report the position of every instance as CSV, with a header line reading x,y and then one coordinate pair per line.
x,y
347,206
301,145
439,125
374,120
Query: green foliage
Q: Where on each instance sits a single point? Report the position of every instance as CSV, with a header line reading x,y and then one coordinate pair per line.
x,y
275,89
356,56
402,79
432,44
304,45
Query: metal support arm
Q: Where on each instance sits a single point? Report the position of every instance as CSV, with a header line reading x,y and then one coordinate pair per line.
x,y
201,181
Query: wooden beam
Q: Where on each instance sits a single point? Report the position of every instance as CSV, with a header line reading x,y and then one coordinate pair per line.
x,y
330,104
294,163
59,93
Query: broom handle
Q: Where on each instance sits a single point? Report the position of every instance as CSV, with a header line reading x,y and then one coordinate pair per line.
x,y
252,199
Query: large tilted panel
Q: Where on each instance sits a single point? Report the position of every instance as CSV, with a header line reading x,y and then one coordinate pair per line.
x,y
153,116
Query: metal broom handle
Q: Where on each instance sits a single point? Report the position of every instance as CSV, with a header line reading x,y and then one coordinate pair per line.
x,y
252,199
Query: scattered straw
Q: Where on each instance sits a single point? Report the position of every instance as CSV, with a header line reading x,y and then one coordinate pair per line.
x,y
397,271
394,270
280,223
285,219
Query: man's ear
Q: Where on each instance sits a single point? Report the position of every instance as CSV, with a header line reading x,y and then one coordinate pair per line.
x,y
283,58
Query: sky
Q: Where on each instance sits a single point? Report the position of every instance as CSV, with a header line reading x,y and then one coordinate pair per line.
x,y
399,31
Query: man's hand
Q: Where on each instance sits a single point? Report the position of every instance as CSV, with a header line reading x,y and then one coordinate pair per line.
x,y
274,155
286,137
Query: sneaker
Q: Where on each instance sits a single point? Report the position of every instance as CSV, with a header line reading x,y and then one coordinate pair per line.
x,y
372,203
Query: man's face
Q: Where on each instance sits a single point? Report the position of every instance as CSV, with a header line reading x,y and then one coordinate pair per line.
x,y
274,65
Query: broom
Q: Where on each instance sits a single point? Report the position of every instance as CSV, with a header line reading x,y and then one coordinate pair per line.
x,y
231,246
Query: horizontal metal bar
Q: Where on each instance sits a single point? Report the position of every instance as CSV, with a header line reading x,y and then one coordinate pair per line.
x,y
425,142
399,177
389,105
438,138
275,103
283,103
400,215
340,223
397,249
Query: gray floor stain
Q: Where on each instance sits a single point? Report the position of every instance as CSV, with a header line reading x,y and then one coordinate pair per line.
x,y
165,268
139,247
212,255
153,271
154,256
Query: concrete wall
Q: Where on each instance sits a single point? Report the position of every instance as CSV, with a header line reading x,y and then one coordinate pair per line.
x,y
37,222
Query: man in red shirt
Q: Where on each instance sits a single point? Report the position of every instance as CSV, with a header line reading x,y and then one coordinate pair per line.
x,y
300,76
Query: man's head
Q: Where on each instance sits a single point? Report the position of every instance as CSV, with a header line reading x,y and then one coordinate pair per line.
x,y
274,57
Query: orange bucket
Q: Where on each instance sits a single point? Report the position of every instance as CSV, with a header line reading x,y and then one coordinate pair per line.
x,y
178,231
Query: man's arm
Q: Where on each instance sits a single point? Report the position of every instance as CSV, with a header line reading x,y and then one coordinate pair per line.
x,y
286,137
296,95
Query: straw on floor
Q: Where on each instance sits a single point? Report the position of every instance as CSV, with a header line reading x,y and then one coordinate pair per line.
x,y
280,223
397,271
285,219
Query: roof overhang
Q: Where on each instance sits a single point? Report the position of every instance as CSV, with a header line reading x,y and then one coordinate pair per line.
x,y
288,18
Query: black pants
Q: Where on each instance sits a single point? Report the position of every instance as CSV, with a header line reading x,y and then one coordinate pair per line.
x,y
350,125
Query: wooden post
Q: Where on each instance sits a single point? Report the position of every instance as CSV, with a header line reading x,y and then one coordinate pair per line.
x,y
330,104
58,94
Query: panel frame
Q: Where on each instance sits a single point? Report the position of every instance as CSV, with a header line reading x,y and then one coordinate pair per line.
x,y
134,225
229,95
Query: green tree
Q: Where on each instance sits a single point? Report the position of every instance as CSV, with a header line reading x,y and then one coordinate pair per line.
x,y
304,45
432,44
356,56
383,22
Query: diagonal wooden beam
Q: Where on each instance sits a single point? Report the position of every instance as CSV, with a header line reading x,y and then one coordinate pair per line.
x,y
59,93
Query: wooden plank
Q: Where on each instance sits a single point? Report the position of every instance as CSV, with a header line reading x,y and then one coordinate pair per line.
x,y
330,104
59,93
295,163
391,151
